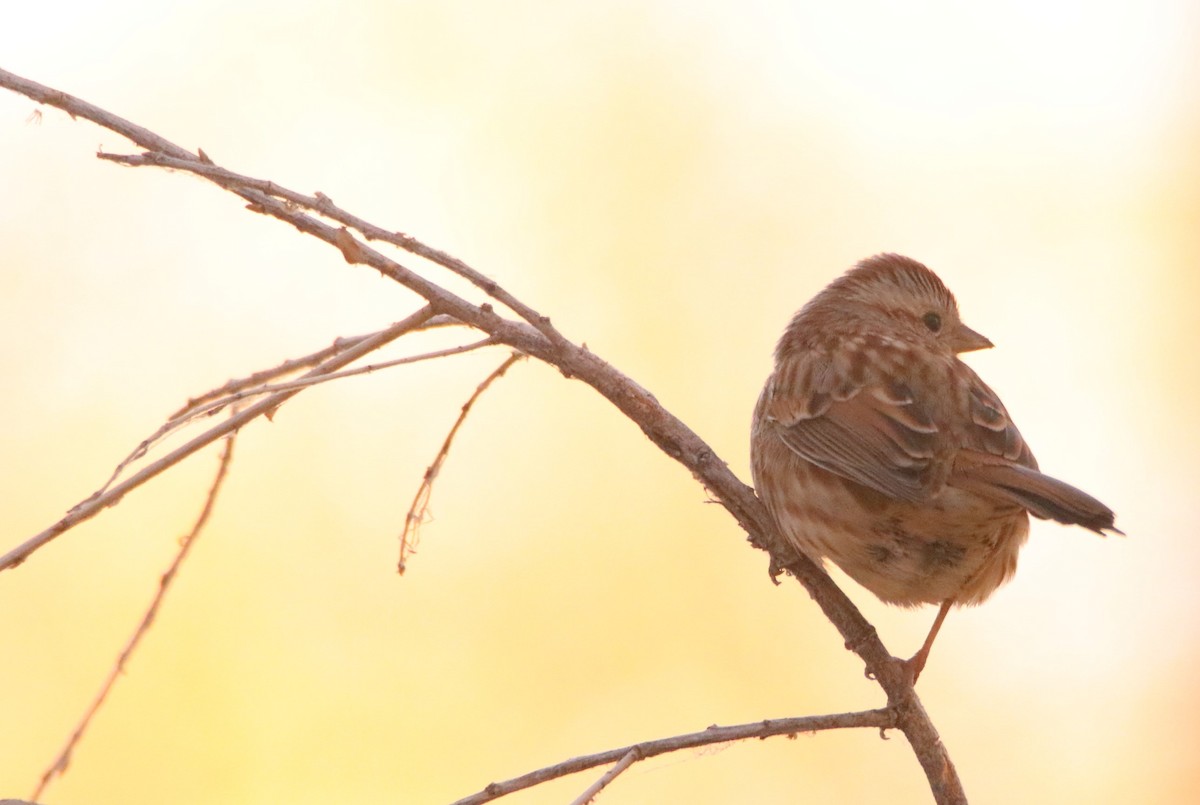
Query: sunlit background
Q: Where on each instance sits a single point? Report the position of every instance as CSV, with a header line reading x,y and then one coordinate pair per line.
x,y
669,182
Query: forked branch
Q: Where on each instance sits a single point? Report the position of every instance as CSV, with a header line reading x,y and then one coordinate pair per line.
x,y
532,334
627,755
111,493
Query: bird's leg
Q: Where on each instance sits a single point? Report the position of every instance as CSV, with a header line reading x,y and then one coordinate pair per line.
x,y
916,663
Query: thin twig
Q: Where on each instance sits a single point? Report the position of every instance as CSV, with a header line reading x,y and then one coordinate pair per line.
x,y
293,365
631,757
63,760
525,337
290,366
879,719
89,508
305,382
211,402
410,535
188,411
323,205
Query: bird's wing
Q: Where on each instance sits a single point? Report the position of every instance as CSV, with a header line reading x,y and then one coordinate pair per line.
x,y
989,431
877,434
882,435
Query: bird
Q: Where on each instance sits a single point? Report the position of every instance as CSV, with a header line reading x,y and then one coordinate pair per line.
x,y
874,446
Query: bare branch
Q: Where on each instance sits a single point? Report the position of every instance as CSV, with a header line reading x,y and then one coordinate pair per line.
x,y
323,205
296,364
631,757
89,508
63,760
211,402
290,366
522,336
879,719
409,537
535,337
305,382
196,405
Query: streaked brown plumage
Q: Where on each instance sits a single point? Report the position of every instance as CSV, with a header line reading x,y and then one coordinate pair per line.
x,y
874,446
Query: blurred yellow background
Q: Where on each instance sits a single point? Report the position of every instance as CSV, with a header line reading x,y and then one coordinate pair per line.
x,y
668,181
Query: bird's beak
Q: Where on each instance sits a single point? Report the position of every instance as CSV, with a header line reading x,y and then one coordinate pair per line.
x,y
967,340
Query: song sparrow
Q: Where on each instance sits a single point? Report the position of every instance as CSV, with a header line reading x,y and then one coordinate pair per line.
x,y
874,446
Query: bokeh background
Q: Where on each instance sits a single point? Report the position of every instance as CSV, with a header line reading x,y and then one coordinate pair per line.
x,y
668,181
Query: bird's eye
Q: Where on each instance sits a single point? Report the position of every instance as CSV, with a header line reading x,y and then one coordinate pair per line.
x,y
933,321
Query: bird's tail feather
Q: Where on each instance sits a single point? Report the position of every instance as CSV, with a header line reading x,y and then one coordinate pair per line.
x,y
1043,496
